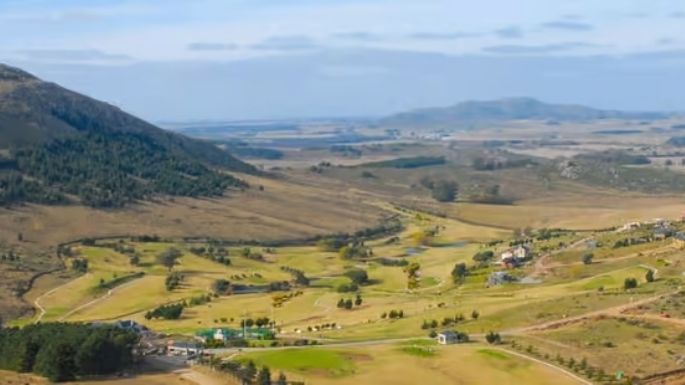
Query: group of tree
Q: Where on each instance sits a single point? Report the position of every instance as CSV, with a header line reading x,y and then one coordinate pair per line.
x,y
355,250
491,163
221,286
336,242
493,338
413,272
11,256
249,254
299,277
173,280
442,190
348,304
63,352
587,258
107,170
168,312
459,273
169,257
258,322
448,321
630,241
393,314
80,265
483,258
247,372
392,262
218,255
358,276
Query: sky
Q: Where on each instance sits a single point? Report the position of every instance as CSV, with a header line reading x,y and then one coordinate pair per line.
x,y
260,59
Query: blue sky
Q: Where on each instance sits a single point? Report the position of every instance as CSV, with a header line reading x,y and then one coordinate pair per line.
x,y
238,59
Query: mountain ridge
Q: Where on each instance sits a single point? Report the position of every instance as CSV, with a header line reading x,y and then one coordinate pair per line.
x,y
515,108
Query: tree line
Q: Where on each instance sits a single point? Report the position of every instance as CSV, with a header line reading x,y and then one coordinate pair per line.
x,y
63,352
107,170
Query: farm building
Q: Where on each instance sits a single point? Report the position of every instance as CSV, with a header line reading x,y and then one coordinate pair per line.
x,y
449,337
514,256
183,348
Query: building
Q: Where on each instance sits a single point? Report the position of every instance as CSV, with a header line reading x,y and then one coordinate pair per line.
x,y
183,348
226,334
514,256
447,337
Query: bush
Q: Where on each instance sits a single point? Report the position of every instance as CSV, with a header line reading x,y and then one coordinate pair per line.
x,y
358,276
630,283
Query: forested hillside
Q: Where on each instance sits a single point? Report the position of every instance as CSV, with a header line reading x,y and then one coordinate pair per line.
x,y
57,146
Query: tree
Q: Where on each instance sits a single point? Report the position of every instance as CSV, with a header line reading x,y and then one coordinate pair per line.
x,y
358,276
459,273
56,361
134,260
493,338
629,283
587,258
168,257
282,380
483,257
221,286
412,271
475,314
649,277
444,190
250,371
358,301
348,304
264,376
341,303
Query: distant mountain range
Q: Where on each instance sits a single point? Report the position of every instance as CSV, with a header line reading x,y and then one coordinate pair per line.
x,y
57,146
509,109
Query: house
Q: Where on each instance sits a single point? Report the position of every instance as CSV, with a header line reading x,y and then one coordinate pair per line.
x,y
449,337
183,348
629,226
679,240
514,256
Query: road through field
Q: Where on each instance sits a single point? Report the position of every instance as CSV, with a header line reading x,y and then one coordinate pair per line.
x,y
40,308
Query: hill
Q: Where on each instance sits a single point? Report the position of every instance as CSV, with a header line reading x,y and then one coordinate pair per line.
x,y
509,109
58,146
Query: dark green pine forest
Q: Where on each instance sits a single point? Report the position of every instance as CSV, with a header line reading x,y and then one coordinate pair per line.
x,y
59,147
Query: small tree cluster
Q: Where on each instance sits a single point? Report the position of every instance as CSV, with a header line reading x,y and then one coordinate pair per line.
x,y
169,312
173,280
80,265
298,275
258,322
493,338
393,314
349,303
